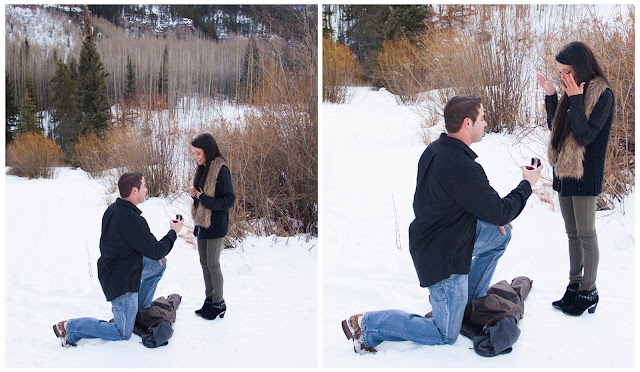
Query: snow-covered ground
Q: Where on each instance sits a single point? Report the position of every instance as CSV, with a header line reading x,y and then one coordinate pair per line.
x,y
51,248
369,152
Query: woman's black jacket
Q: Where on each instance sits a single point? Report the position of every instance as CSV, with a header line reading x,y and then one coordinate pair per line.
x,y
219,203
593,134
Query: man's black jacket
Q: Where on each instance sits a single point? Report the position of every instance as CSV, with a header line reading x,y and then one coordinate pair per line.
x,y
125,239
452,193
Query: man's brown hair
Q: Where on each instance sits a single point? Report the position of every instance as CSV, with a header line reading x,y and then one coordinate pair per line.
x,y
128,181
459,108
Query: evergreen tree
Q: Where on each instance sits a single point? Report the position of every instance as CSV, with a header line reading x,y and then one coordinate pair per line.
x,y
11,109
130,88
113,13
327,14
27,116
163,74
364,31
64,114
250,77
73,67
30,88
367,26
407,21
94,109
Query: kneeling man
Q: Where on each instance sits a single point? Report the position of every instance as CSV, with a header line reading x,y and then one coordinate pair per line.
x,y
461,229
130,266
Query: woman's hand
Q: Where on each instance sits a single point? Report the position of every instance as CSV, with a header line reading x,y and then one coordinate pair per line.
x,y
570,87
195,193
546,84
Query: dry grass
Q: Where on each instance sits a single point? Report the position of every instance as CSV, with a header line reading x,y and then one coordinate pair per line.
x,y
339,71
151,144
272,149
272,155
487,61
151,148
33,155
613,43
90,153
615,50
402,69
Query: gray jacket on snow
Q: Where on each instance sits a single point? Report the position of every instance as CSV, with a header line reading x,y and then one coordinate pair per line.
x,y
153,324
491,321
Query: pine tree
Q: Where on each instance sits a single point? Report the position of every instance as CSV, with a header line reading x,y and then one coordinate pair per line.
x,y
368,26
73,66
27,116
163,74
130,89
250,78
64,113
30,88
327,14
11,112
92,98
407,21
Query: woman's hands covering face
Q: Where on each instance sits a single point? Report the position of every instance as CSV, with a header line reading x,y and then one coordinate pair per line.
x,y
569,85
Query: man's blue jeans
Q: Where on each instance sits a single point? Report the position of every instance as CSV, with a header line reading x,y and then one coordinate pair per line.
x,y
449,298
152,272
124,309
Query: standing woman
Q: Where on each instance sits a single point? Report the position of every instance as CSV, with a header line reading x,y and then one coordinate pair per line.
x,y
212,194
580,123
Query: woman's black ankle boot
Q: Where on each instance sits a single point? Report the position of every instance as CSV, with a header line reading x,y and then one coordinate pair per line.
x,y
217,309
206,306
569,296
584,300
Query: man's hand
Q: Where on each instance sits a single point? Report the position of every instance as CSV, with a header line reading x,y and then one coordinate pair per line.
x,y
160,260
176,226
531,175
503,230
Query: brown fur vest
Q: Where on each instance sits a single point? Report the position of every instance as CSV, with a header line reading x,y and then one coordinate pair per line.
x,y
202,215
568,162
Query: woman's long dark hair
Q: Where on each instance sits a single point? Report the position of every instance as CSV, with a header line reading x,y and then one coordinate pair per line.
x,y
209,146
580,57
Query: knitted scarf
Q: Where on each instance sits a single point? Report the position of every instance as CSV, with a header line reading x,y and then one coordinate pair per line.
x,y
201,214
568,160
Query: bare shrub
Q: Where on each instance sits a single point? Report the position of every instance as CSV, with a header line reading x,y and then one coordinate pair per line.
x,y
401,69
272,155
487,60
91,154
152,146
613,43
339,71
33,155
614,46
145,141
272,150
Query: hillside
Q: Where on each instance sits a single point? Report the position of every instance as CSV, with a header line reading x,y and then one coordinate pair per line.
x,y
217,22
